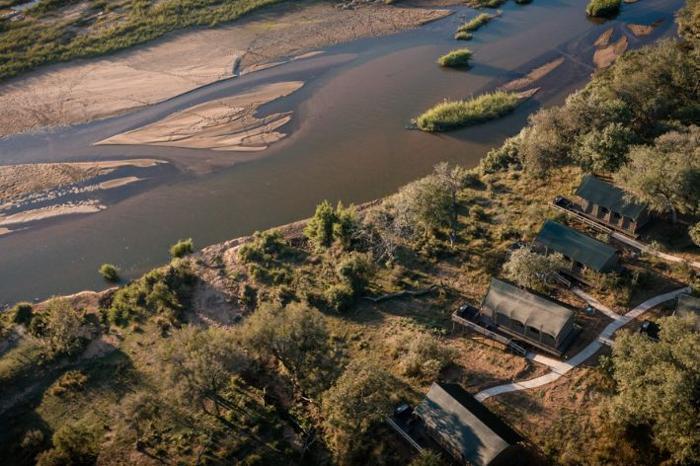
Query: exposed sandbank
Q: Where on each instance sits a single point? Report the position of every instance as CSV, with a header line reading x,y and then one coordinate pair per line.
x,y
223,124
17,181
118,182
49,212
95,88
604,57
532,76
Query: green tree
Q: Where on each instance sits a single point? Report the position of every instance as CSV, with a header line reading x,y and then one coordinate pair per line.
x,y
532,270
329,225
65,329
199,364
657,387
296,338
666,176
359,399
604,150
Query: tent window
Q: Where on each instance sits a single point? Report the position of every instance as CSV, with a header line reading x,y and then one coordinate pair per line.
x,y
518,327
533,332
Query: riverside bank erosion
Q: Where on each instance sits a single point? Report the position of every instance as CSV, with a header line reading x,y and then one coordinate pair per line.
x,y
95,88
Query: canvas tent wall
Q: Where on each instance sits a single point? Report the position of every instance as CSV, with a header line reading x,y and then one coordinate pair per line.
x,y
466,428
528,316
610,205
580,249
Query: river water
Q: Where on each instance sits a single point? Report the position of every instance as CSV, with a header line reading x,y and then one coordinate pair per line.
x,y
348,141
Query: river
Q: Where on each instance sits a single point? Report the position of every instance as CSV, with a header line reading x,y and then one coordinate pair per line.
x,y
348,141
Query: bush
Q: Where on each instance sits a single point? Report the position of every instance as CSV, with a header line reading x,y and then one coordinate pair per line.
x,y
456,114
355,271
339,297
423,356
109,272
72,444
603,8
329,225
502,158
182,248
71,381
458,58
21,314
694,233
32,439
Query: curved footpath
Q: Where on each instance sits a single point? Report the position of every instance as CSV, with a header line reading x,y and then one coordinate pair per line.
x,y
560,368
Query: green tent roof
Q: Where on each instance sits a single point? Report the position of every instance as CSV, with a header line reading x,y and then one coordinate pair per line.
x,y
525,307
464,424
577,246
609,196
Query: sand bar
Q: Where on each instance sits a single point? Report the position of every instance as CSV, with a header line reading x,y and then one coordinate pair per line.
x,y
602,58
50,212
223,124
89,89
533,76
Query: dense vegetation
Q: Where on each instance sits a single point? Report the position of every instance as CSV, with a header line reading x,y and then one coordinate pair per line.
x,y
46,35
456,114
603,8
287,349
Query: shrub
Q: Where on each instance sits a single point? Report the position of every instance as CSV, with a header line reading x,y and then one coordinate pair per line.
x,y
72,444
182,248
71,381
458,58
603,8
475,23
694,232
501,158
532,270
109,272
456,114
21,314
355,271
339,297
64,329
424,356
32,439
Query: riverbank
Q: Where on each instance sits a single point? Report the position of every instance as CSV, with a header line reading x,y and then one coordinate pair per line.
x,y
86,90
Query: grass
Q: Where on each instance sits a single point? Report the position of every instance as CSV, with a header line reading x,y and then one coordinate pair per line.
x,y
456,114
463,35
475,23
46,36
486,3
603,8
458,58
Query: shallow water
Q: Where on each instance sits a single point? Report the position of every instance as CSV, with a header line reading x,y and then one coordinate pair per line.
x,y
348,141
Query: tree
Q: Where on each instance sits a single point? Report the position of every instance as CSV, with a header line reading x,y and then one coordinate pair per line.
x,y
604,150
329,225
666,176
360,398
430,203
199,364
532,270
64,328
657,387
296,338
694,232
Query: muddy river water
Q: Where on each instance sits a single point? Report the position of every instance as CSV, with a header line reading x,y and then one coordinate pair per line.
x,y
347,141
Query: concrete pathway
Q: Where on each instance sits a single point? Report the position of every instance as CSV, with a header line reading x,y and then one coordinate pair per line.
x,y
560,368
645,248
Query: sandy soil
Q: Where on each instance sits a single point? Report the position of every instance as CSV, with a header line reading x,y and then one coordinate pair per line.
x,y
118,182
604,57
90,89
17,181
641,30
223,124
604,39
50,212
533,76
